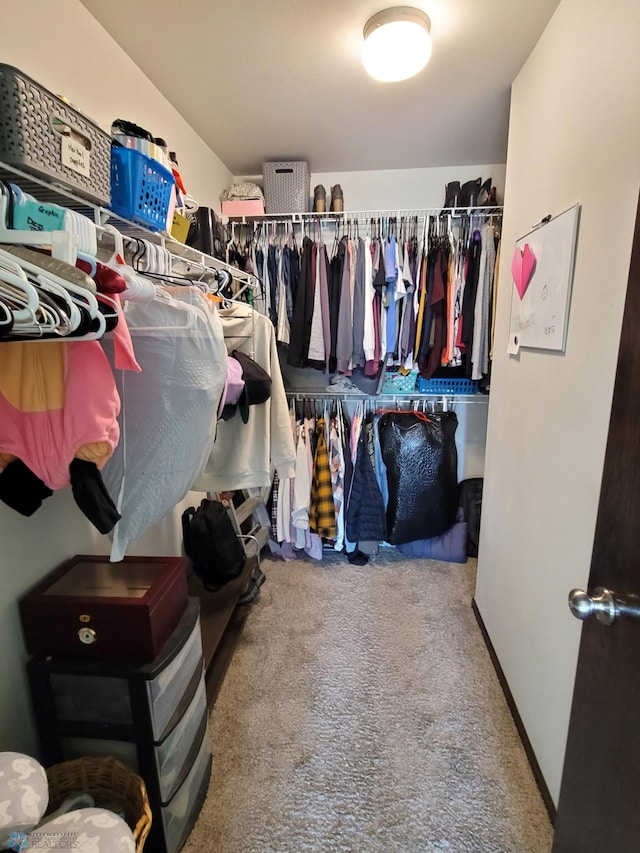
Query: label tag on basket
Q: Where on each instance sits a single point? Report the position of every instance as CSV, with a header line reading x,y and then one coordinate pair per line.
x,y
75,156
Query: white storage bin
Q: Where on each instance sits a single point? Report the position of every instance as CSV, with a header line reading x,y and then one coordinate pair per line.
x,y
170,755
180,814
88,698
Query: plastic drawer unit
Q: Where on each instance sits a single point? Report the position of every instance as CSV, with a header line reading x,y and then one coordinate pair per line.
x,y
172,757
105,693
153,717
180,814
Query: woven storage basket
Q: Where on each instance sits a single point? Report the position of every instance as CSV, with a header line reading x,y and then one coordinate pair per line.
x,y
286,187
109,782
40,133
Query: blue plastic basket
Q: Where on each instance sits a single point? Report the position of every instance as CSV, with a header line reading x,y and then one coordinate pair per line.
x,y
447,386
140,188
398,383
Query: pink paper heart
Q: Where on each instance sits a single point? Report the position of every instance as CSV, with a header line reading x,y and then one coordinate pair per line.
x,y
523,266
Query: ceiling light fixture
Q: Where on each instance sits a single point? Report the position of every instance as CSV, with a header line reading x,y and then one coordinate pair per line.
x,y
397,43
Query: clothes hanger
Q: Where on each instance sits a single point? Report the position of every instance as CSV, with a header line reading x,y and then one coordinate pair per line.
x,y
6,320
47,318
24,319
55,314
81,296
20,290
67,309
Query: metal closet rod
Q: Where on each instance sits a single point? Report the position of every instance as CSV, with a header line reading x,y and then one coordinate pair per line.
x,y
44,192
354,396
205,264
339,216
194,257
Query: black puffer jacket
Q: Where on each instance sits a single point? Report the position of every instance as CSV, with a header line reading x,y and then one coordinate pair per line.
x,y
365,515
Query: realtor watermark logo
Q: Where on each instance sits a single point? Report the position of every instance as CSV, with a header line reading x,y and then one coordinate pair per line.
x,y
18,841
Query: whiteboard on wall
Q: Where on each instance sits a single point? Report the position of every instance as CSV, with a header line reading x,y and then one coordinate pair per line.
x,y
542,275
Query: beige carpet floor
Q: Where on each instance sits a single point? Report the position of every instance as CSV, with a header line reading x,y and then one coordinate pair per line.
x,y
361,714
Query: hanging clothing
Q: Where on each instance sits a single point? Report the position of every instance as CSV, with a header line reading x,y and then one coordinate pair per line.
x,y
244,454
169,410
301,488
359,294
481,339
335,290
337,467
365,514
57,401
297,354
344,342
437,304
368,332
404,300
316,355
322,517
283,327
272,506
469,299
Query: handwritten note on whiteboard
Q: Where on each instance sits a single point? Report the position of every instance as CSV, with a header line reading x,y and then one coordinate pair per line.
x,y
540,312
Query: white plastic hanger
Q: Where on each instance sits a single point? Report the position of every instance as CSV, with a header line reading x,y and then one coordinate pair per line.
x,y
80,295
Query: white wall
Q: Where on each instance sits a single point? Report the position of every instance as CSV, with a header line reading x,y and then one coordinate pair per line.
x,y
573,137
398,189
63,47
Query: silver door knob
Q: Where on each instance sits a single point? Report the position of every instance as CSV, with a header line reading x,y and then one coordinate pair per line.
x,y
603,604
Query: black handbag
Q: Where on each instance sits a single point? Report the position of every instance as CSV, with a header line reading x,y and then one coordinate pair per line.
x,y
211,544
420,455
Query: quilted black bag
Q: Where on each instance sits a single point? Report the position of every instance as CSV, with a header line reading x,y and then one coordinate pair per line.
x,y
419,452
211,544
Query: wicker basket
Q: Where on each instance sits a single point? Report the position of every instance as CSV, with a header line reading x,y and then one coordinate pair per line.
x,y
108,781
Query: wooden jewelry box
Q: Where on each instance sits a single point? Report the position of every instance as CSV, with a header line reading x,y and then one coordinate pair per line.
x,y
91,609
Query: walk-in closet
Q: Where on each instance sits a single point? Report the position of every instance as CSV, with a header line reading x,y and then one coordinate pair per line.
x,y
318,426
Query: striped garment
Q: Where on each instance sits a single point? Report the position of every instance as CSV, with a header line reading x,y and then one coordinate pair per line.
x,y
274,506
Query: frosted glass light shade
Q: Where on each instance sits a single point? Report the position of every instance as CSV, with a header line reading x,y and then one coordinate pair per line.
x,y
397,43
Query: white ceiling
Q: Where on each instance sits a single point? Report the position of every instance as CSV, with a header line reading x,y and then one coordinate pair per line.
x,y
282,79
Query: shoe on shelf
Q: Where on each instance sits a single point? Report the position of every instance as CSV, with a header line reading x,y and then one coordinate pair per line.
x,y
337,199
451,194
319,199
